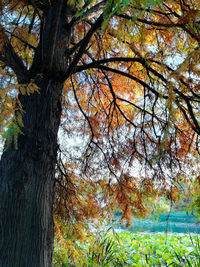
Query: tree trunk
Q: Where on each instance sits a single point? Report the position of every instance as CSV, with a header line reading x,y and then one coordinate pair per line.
x,y
27,182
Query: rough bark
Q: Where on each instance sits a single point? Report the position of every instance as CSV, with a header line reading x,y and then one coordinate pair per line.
x,y
27,182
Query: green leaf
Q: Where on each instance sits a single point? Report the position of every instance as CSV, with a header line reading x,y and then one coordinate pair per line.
x,y
125,3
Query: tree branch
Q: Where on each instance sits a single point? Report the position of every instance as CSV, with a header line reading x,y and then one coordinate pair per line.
x,y
12,60
165,25
101,67
95,10
82,111
152,23
23,41
3,59
97,63
83,46
141,109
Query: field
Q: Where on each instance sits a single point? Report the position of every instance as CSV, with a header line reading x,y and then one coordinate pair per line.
x,y
145,249
133,249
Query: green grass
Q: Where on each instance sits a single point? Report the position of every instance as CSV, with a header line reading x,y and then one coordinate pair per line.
x,y
136,249
154,249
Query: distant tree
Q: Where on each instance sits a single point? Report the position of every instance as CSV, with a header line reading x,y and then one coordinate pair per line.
x,y
122,75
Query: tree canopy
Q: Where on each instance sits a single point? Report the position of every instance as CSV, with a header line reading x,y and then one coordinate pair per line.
x,y
130,98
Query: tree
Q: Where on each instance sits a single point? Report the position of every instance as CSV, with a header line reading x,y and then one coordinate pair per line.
x,y
125,74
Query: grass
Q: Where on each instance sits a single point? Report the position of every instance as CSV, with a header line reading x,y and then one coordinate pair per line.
x,y
111,249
